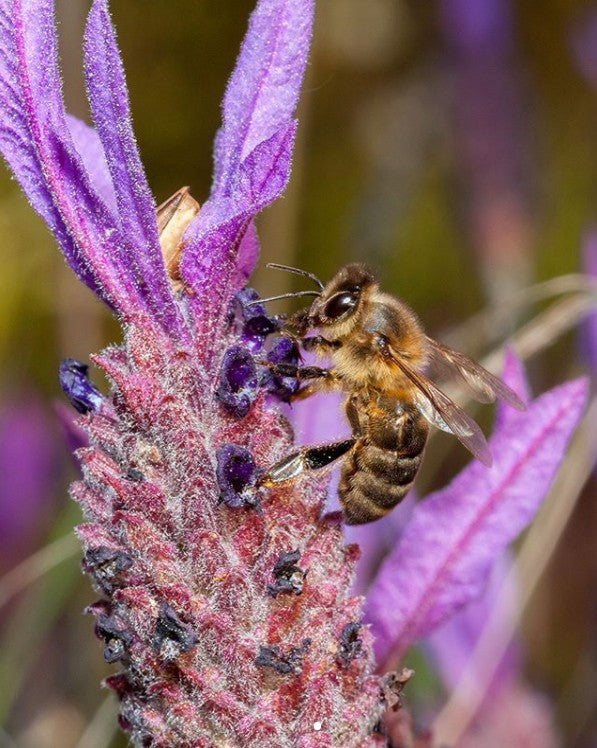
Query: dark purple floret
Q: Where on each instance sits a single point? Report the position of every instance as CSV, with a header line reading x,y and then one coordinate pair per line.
x,y
115,635
107,565
238,381
237,475
285,351
172,635
351,645
75,383
283,663
257,324
289,576
135,475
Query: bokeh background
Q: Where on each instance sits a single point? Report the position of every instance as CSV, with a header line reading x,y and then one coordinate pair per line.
x,y
451,144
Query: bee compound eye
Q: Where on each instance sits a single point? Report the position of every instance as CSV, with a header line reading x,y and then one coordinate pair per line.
x,y
339,305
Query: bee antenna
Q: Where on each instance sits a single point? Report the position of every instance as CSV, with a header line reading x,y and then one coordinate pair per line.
x,y
290,295
296,271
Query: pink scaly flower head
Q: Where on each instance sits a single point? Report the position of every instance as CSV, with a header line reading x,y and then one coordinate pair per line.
x,y
229,612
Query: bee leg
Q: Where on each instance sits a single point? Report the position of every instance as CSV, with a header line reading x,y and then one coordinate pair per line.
x,y
319,344
309,458
300,372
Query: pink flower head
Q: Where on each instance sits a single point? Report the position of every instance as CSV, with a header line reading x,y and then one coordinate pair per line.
x,y
228,610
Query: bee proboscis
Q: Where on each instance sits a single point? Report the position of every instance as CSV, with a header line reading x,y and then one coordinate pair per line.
x,y
379,354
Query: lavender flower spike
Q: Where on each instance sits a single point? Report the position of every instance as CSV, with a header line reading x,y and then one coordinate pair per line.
x,y
226,609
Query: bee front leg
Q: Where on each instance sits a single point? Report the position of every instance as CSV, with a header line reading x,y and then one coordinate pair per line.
x,y
309,458
299,372
319,380
320,345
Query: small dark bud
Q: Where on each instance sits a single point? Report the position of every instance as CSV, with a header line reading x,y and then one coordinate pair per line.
x,y
107,560
283,663
237,476
238,383
257,324
285,351
116,636
289,576
75,383
114,650
134,475
351,645
172,636
106,564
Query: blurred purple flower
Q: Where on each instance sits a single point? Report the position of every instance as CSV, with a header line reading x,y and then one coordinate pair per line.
x,y
446,552
582,38
589,328
491,135
29,468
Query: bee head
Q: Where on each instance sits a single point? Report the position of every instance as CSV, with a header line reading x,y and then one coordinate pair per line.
x,y
337,308
337,305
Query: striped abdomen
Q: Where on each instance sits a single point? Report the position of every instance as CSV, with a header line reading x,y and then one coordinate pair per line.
x,y
380,469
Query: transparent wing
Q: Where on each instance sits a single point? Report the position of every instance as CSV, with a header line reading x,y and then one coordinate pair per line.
x,y
484,385
443,413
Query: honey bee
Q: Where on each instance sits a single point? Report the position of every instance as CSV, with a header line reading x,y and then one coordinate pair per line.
x,y
379,353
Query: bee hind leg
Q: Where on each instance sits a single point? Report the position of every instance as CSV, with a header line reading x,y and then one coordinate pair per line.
x,y
309,458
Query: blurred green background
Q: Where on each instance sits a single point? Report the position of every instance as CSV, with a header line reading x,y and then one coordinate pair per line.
x,y
382,173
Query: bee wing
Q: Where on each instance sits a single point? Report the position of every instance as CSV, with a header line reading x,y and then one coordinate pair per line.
x,y
484,385
444,414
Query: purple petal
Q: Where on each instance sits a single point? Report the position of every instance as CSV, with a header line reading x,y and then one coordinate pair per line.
x,y
514,376
264,88
136,208
36,142
248,253
90,149
209,261
442,560
252,151
259,181
452,644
